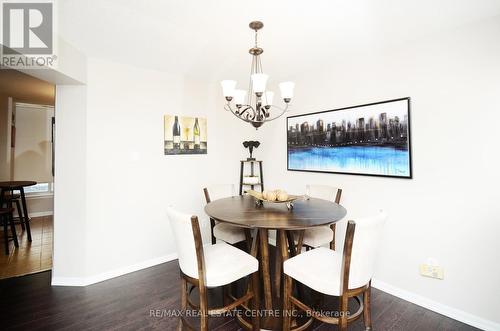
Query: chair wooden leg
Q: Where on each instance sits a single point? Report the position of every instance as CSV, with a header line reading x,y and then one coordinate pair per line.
x,y
25,214
5,234
203,309
291,243
212,225
20,215
332,243
287,306
367,312
264,263
256,301
13,229
344,307
300,241
183,302
277,268
226,291
248,240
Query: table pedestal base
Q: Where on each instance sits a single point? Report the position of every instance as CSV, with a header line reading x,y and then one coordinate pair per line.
x,y
271,308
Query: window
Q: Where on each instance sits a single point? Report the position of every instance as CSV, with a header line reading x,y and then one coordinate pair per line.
x,y
32,150
39,188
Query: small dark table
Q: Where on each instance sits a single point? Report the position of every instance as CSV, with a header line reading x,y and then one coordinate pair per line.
x,y
242,211
18,186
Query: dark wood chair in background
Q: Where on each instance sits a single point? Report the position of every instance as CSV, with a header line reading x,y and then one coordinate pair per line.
x,y
210,266
7,219
10,200
345,275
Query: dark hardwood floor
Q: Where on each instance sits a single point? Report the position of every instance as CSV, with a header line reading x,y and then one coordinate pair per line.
x,y
126,303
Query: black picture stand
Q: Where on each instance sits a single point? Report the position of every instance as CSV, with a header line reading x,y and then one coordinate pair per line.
x,y
252,173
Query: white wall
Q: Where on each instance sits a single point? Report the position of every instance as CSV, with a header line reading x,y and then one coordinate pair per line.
x,y
69,68
127,179
70,208
450,209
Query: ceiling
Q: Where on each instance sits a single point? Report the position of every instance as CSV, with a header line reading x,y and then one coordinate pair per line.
x,y
210,38
25,88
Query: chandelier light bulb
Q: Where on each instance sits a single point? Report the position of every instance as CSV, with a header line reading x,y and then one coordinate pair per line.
x,y
268,98
259,82
287,90
239,97
228,87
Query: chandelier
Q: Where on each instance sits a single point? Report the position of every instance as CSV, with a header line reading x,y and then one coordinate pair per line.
x,y
255,105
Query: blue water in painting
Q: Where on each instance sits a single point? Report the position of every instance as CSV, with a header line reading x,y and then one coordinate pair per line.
x,y
355,159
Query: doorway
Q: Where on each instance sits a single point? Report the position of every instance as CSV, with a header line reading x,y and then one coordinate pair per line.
x,y
27,154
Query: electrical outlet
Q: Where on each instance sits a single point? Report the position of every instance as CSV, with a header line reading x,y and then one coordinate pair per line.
x,y
432,271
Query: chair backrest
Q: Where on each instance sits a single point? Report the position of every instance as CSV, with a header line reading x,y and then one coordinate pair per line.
x,y
186,234
218,191
365,238
324,192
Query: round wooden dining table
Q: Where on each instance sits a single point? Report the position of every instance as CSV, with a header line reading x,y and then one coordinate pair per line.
x,y
242,211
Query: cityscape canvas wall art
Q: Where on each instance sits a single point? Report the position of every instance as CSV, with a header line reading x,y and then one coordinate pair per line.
x,y
185,135
372,139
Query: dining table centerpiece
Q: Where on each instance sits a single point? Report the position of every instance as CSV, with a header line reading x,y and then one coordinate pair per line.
x,y
273,196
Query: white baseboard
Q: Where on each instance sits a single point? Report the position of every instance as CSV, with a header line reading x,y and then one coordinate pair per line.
x,y
33,196
85,281
68,281
39,214
437,307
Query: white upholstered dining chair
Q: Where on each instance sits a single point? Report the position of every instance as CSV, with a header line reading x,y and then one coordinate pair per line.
x,y
321,235
211,266
223,231
344,274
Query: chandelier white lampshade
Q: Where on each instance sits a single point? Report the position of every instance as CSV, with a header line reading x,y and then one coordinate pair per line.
x,y
256,106
239,97
287,90
259,82
268,98
228,87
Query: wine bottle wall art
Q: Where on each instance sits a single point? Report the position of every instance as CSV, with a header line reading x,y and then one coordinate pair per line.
x,y
185,135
